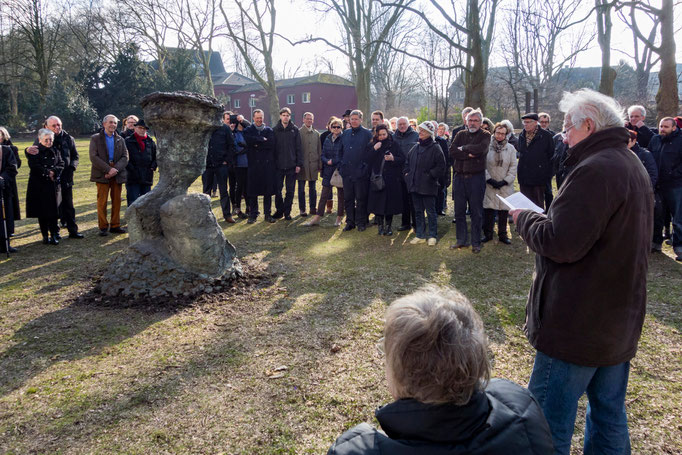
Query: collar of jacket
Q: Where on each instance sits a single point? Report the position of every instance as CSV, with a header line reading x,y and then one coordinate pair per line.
x,y
407,131
611,137
280,127
670,136
413,420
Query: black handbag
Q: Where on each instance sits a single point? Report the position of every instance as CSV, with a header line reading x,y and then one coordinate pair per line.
x,y
376,181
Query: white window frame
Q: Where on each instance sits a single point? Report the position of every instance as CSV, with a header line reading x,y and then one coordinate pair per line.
x,y
305,97
252,102
237,104
291,99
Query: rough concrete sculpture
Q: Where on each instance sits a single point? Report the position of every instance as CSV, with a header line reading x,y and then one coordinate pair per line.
x,y
176,245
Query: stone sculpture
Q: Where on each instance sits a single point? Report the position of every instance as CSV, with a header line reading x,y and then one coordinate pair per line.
x,y
176,245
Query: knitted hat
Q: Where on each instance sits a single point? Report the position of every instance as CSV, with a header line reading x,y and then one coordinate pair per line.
x,y
428,126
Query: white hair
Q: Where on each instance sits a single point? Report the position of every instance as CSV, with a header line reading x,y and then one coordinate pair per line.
x,y
42,132
53,117
444,125
4,133
393,118
585,104
403,118
475,112
110,116
466,111
310,114
635,107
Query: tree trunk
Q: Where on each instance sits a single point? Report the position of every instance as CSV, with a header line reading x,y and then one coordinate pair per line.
x,y
667,98
474,80
608,74
362,90
390,100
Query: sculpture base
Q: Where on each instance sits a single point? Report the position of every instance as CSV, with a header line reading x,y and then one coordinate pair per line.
x,y
144,269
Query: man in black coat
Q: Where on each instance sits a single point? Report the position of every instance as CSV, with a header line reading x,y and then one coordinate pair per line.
x,y
636,117
536,150
406,138
262,170
66,146
355,172
544,120
667,150
8,173
141,162
289,158
220,156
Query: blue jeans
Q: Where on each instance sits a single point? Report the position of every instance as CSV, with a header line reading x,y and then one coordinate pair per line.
x,y
558,385
427,203
135,190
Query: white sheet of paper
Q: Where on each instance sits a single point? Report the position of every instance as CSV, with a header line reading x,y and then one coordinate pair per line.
x,y
519,201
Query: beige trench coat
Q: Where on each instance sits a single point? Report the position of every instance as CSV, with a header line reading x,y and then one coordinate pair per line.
x,y
499,166
312,153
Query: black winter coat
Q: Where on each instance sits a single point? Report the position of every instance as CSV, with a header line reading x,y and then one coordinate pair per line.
x,y
141,165
388,201
406,140
667,151
41,193
424,165
288,152
644,134
535,160
14,206
353,166
648,162
66,145
331,150
503,419
8,173
262,170
221,148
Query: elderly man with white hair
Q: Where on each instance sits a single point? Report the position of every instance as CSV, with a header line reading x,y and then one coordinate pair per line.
x,y
109,157
587,302
636,118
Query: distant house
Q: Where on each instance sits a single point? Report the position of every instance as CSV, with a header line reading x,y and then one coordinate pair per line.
x,y
322,94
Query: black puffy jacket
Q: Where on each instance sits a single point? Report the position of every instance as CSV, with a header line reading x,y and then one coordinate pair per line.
x,y
424,166
221,148
66,146
504,419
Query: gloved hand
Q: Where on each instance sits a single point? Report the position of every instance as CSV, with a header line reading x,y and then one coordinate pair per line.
x,y
501,183
491,182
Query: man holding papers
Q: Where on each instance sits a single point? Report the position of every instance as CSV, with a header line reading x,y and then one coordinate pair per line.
x,y
587,302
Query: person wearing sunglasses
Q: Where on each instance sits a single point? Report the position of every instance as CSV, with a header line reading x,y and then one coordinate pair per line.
x,y
331,155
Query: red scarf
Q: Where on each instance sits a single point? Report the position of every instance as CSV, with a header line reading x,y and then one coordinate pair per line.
x,y
140,140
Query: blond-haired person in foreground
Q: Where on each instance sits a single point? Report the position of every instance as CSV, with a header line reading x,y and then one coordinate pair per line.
x,y
437,370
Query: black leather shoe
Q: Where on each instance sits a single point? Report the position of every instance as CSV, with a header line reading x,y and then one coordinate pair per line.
x,y
349,227
277,215
75,235
53,241
304,214
388,231
57,236
117,230
486,239
288,217
251,221
103,232
45,241
505,240
11,250
404,227
362,228
270,219
381,230
241,215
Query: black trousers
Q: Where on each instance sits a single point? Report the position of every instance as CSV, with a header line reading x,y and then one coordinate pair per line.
x,y
355,199
253,206
288,177
408,218
232,184
489,223
67,213
218,175
241,182
312,195
48,226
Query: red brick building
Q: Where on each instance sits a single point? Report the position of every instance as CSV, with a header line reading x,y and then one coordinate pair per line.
x,y
322,94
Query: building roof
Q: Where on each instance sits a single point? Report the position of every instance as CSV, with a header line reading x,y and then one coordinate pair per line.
x,y
232,78
320,78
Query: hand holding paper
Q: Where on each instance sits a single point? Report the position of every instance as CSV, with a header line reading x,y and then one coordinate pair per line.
x,y
518,201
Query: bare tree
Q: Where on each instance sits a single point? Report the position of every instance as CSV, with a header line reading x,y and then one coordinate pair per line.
x,y
604,25
196,27
667,98
438,82
253,33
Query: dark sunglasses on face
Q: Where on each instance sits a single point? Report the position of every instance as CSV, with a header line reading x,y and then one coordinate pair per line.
x,y
336,127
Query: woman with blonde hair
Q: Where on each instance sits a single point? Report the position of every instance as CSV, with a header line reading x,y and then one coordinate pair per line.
x,y
438,372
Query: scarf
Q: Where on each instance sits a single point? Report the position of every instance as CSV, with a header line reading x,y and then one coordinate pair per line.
x,y
260,128
425,142
498,147
531,135
140,141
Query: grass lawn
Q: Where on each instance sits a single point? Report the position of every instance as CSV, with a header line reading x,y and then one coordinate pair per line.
x,y
284,362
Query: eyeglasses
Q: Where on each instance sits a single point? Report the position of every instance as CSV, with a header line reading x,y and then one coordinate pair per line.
x,y
336,127
564,133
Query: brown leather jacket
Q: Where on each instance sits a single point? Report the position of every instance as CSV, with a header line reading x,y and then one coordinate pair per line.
x,y
588,298
475,144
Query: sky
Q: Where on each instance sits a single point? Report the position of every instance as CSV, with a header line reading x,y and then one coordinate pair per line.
x,y
297,19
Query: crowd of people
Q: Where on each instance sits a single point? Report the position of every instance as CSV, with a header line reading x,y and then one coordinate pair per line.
x,y
396,168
